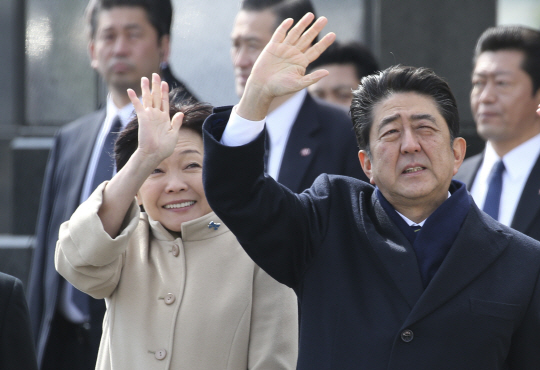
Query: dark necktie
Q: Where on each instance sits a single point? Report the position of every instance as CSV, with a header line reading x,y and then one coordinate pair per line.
x,y
493,196
105,164
416,229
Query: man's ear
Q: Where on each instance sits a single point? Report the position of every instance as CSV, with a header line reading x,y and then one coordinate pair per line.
x,y
365,162
92,55
459,147
165,46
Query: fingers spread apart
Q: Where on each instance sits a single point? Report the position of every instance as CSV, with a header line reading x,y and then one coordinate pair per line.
x,y
301,38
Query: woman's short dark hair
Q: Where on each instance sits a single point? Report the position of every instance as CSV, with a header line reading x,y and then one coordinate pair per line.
x,y
194,116
400,79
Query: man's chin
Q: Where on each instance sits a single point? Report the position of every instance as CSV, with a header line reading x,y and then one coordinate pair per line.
x,y
124,82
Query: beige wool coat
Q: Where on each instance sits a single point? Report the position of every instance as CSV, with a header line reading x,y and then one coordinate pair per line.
x,y
196,303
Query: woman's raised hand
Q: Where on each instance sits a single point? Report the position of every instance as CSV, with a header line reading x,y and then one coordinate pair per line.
x,y
158,134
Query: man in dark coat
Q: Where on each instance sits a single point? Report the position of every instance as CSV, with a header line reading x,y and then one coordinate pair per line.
x,y
405,274
16,345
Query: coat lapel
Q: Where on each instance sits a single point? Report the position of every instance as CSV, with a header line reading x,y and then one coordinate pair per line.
x,y
477,246
301,146
529,203
81,146
393,251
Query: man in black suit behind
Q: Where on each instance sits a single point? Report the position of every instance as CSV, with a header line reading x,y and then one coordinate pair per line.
x,y
306,137
406,274
129,39
504,97
16,345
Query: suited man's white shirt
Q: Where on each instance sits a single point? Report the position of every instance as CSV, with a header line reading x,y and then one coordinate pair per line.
x,y
518,165
278,125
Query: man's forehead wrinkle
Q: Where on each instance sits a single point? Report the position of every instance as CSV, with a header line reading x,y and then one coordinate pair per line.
x,y
413,117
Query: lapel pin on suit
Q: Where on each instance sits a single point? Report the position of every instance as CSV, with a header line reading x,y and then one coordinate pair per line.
x,y
214,225
305,152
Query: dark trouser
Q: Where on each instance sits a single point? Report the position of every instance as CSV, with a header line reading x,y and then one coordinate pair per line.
x,y
73,346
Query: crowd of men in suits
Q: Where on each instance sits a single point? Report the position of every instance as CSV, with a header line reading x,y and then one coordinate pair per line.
x,y
304,137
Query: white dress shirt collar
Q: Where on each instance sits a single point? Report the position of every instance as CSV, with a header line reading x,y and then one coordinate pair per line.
x,y
126,113
518,164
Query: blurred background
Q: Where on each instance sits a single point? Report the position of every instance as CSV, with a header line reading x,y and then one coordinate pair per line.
x,y
46,79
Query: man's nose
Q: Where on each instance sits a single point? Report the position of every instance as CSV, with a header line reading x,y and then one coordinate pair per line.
x,y
242,57
409,142
488,94
121,45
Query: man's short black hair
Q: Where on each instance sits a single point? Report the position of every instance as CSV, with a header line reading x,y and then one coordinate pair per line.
x,y
194,116
282,9
348,53
520,38
159,13
400,79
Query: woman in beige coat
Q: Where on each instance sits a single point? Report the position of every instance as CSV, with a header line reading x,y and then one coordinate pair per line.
x,y
180,291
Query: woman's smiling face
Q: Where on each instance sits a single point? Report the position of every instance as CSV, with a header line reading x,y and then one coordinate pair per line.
x,y
173,193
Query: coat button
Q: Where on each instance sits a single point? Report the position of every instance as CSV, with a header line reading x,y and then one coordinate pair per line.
x,y
160,354
170,298
175,250
407,335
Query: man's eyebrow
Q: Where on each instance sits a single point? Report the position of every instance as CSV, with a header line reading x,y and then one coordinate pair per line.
x,y
129,26
418,117
491,73
415,117
245,38
387,120
132,26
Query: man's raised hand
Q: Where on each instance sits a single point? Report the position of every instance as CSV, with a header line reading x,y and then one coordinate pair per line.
x,y
281,67
158,134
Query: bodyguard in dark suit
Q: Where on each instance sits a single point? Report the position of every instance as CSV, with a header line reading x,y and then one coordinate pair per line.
x,y
16,345
405,274
505,179
129,39
305,136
